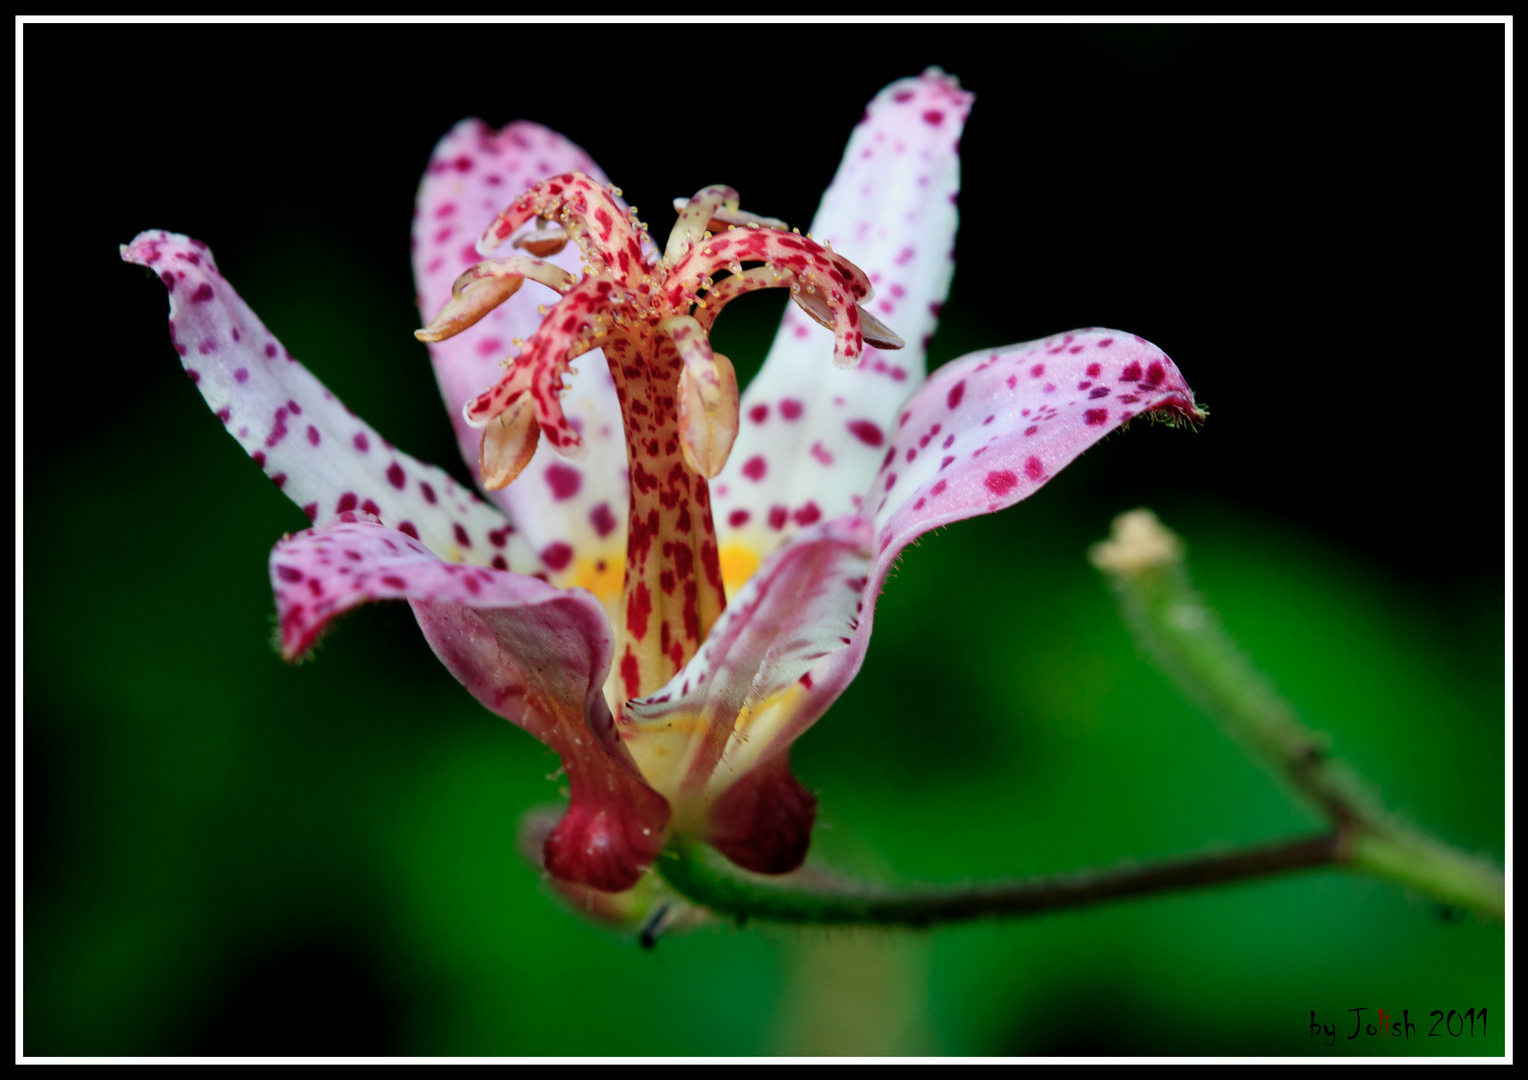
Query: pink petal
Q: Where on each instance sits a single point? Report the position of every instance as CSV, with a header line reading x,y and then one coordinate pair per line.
x,y
571,514
323,457
795,636
989,429
534,654
812,434
712,735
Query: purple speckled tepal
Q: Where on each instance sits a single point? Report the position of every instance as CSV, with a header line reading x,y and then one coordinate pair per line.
x,y
670,580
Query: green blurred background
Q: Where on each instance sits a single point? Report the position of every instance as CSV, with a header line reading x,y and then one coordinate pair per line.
x,y
227,855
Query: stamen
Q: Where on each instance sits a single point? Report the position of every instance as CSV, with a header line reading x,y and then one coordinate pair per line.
x,y
729,215
708,398
572,328
679,399
551,275
508,442
484,287
545,241
466,308
877,333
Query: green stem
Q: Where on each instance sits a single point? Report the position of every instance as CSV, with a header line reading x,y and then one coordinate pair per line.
x,y
708,881
1171,621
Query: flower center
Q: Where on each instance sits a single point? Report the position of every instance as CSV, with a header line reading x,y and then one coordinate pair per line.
x,y
679,400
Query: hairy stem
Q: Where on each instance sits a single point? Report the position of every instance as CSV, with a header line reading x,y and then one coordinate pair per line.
x,y
1144,562
1172,622
706,880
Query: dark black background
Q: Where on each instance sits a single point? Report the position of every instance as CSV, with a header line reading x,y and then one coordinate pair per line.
x,y
1308,219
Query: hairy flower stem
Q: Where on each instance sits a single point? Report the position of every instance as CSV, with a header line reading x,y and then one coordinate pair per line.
x,y
707,881
1171,622
1144,562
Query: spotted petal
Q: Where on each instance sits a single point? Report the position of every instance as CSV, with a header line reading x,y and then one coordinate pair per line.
x,y
986,431
989,429
572,515
711,739
322,457
534,654
813,434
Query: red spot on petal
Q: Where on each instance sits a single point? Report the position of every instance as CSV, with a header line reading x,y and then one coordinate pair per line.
x,y
395,475
1033,468
957,392
866,432
557,555
1095,417
1001,482
564,481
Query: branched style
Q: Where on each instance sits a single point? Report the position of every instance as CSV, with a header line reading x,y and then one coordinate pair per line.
x,y
668,579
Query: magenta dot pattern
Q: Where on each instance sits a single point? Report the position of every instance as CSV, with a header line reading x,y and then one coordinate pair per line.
x,y
532,653
558,505
321,455
811,433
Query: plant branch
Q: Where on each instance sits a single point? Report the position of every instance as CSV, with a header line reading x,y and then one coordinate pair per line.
x,y
1171,621
1144,562
806,897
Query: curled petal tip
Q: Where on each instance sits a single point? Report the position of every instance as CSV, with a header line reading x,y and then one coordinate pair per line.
x,y
508,442
708,414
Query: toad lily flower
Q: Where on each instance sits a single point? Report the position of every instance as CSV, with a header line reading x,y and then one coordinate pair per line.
x,y
677,580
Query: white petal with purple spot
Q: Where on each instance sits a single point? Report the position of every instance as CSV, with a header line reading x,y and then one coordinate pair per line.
x,y
322,456
812,434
